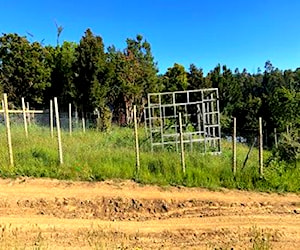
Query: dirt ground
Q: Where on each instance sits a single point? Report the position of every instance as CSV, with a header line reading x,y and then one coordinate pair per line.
x,y
52,214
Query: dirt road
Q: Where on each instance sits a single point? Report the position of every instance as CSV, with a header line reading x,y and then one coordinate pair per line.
x,y
52,214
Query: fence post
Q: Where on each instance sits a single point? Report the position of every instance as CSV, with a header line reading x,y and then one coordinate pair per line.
x,y
76,118
261,171
234,147
28,114
137,151
8,133
70,118
24,117
181,144
275,138
58,131
83,123
51,118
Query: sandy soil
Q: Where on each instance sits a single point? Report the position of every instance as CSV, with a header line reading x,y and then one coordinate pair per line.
x,y
52,214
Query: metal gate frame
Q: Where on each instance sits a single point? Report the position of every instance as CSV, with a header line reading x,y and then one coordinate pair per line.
x,y
201,119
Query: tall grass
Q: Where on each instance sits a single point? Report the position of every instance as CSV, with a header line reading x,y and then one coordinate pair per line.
x,y
95,156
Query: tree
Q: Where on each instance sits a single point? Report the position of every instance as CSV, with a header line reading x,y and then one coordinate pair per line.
x,y
289,147
59,30
61,60
90,73
135,77
175,79
297,80
230,92
23,70
285,108
196,80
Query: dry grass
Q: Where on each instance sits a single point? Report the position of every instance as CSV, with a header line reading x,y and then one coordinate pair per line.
x,y
34,237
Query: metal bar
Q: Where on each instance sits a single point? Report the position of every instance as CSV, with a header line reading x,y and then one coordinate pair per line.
x,y
186,141
26,111
219,128
175,114
181,144
150,122
161,121
183,91
137,151
204,120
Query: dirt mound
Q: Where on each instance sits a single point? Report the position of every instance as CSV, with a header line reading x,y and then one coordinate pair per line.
x,y
60,214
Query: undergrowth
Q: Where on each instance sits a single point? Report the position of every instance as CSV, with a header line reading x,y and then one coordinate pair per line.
x,y
97,156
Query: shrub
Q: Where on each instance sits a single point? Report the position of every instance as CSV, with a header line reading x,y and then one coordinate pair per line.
x,y
289,147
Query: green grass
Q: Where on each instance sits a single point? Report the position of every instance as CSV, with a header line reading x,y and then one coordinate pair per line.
x,y
96,156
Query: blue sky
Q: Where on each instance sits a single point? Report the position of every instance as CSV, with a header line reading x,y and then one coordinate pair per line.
x,y
239,33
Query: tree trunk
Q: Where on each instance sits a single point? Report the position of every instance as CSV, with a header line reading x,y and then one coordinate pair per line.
x,y
128,110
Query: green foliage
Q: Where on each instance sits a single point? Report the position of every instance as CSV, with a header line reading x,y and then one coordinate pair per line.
x,y
104,121
134,76
289,146
248,113
90,73
260,239
196,79
285,107
175,78
61,59
91,78
23,71
229,88
96,156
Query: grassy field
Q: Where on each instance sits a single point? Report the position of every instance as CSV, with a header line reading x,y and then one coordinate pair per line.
x,y
96,156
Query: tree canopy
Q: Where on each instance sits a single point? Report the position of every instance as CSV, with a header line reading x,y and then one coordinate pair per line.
x,y
112,80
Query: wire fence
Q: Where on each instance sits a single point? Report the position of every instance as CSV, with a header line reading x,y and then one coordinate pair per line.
x,y
71,121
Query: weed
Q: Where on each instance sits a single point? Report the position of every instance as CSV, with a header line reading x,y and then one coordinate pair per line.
x,y
96,156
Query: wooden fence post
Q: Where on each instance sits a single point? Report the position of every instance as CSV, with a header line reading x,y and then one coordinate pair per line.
x,y
181,144
28,114
234,147
8,133
83,123
70,118
137,150
51,118
275,138
76,118
261,171
24,117
58,131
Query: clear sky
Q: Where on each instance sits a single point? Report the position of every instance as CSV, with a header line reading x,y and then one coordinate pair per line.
x,y
238,33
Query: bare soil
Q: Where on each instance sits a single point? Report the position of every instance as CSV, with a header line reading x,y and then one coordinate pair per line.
x,y
52,214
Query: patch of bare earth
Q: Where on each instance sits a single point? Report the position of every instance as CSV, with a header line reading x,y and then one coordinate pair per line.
x,y
52,214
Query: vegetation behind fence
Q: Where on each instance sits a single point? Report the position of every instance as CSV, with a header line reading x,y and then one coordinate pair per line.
x,y
94,156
